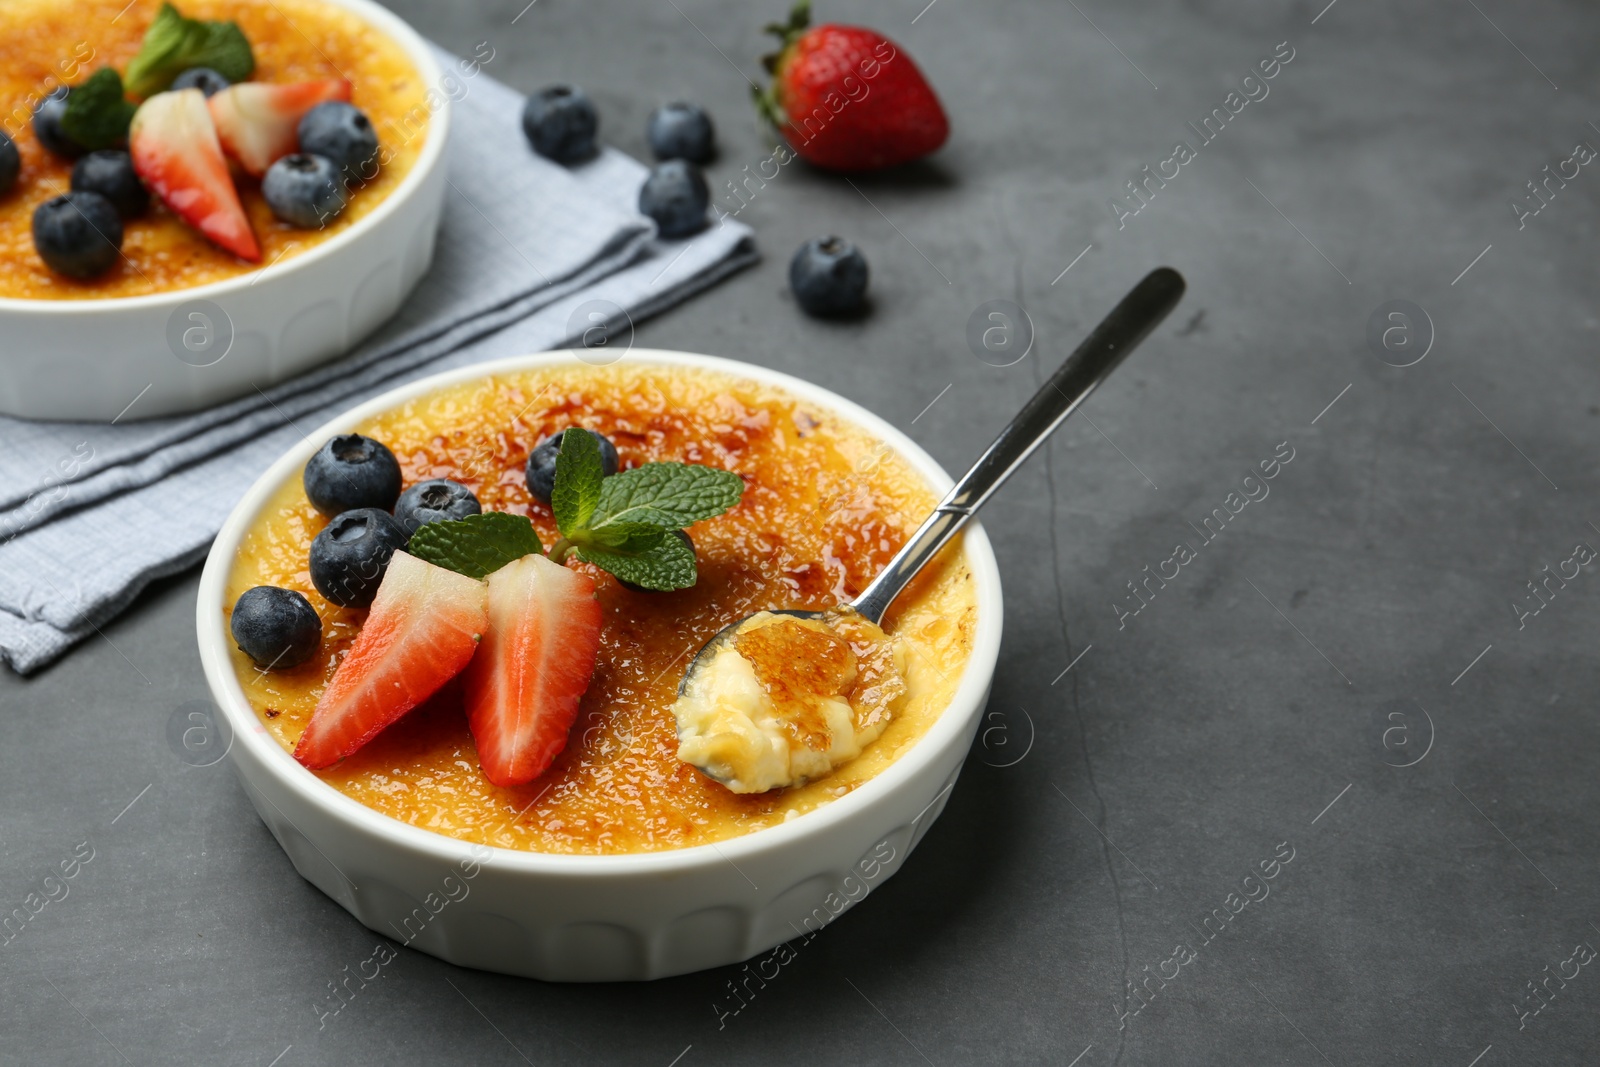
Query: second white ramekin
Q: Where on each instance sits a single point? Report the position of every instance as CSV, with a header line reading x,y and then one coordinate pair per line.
x,y
191,348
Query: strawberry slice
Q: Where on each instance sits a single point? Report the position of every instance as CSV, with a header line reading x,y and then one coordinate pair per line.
x,y
258,123
522,690
176,153
423,627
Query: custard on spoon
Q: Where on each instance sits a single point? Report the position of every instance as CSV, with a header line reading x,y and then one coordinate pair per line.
x,y
786,698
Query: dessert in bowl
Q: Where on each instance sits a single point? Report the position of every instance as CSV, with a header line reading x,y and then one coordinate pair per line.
x,y
624,852
202,282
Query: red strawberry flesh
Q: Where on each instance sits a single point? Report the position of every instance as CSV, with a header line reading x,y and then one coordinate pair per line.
x,y
523,689
258,122
423,628
176,154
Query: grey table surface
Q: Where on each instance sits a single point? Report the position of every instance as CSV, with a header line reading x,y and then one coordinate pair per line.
x,y
1341,675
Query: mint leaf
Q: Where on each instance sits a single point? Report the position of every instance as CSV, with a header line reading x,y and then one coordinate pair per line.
x,y
666,566
670,495
627,537
579,473
477,545
98,113
173,44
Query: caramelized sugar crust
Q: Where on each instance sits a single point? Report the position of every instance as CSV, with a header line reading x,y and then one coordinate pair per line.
x,y
825,506
801,664
798,666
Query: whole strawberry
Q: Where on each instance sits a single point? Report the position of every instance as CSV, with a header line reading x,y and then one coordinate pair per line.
x,y
847,98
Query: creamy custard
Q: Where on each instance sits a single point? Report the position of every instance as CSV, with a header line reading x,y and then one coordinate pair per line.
x,y
784,700
48,43
825,506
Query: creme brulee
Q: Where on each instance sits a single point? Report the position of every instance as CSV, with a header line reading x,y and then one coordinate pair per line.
x,y
824,508
45,44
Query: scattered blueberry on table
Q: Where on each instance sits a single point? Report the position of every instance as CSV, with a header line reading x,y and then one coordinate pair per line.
x,y
352,471
47,125
676,197
681,131
436,500
78,234
541,468
110,173
277,628
828,276
561,123
351,554
304,190
205,79
342,134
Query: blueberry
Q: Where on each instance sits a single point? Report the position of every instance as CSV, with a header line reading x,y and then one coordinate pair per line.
x,y
434,501
682,535
351,554
109,172
352,471
561,122
275,627
829,277
10,162
205,79
47,125
78,234
304,191
681,131
542,462
675,195
342,134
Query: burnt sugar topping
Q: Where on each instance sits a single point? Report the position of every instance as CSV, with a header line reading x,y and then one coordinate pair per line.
x,y
818,509
799,666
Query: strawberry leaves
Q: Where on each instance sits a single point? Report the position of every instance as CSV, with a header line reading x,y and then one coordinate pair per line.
x,y
625,524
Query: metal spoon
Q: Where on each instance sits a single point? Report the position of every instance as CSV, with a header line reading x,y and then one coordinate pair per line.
x,y
1129,323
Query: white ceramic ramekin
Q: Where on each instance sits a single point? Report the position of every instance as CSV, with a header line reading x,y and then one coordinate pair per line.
x,y
595,918
188,349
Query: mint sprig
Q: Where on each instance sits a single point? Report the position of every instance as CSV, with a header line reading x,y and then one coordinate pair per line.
x,y
477,545
625,524
624,536
174,44
666,565
579,475
668,495
98,114
622,524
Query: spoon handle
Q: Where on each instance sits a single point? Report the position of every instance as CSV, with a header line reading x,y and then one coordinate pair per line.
x,y
1130,322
